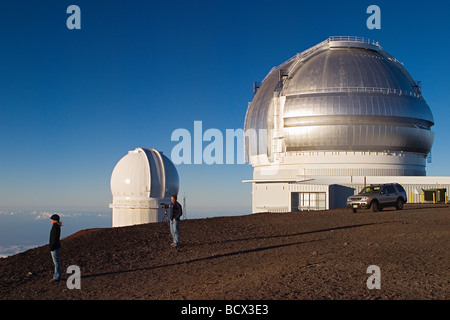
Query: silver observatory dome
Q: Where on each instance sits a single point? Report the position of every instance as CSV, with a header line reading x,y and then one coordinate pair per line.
x,y
343,95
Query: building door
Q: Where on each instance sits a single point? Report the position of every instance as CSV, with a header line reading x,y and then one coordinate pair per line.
x,y
294,201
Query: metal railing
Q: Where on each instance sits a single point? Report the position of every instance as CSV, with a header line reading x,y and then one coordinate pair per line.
x,y
355,89
353,39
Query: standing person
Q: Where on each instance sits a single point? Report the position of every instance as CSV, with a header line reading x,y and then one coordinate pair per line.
x,y
175,215
55,244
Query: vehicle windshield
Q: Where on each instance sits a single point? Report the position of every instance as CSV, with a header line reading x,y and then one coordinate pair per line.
x,y
370,189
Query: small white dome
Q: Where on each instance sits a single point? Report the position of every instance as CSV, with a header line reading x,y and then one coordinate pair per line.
x,y
143,174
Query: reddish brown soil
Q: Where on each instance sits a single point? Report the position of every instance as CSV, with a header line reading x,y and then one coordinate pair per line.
x,y
309,255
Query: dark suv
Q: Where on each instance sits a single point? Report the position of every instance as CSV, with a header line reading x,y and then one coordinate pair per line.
x,y
378,196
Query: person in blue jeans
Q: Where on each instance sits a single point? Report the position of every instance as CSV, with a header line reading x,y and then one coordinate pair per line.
x,y
55,244
175,215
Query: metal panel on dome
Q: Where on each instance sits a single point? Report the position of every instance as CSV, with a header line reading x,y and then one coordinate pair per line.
x,y
260,114
257,114
346,68
358,138
157,175
354,103
172,179
130,177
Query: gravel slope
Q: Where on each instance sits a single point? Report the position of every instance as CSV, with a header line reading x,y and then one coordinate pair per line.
x,y
308,255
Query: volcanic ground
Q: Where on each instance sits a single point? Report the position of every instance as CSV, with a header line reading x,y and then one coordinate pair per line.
x,y
282,256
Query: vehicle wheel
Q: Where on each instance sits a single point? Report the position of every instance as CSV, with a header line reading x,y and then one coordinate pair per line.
x,y
375,206
399,204
355,210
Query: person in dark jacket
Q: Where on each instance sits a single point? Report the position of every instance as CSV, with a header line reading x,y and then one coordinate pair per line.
x,y
175,215
55,244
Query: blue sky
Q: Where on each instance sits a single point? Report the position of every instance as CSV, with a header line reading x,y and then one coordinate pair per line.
x,y
73,102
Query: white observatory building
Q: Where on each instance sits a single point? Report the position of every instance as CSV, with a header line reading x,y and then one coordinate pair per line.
x,y
332,118
140,182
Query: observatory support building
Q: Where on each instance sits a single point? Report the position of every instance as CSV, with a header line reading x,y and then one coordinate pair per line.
x,y
332,118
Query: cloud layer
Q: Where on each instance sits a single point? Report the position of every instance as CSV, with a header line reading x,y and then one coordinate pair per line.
x,y
14,249
21,230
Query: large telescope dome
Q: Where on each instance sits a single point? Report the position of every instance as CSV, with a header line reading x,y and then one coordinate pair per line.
x,y
344,97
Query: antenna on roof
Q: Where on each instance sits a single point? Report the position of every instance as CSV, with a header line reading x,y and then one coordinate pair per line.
x,y
256,86
184,206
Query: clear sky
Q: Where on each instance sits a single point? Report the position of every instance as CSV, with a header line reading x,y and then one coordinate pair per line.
x,y
73,102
